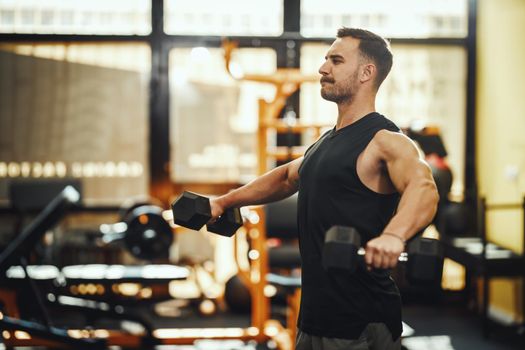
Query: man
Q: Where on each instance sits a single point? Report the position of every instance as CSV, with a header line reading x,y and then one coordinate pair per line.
x,y
363,173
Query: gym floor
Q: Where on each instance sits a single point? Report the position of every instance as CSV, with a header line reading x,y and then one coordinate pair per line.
x,y
453,328
447,326
435,327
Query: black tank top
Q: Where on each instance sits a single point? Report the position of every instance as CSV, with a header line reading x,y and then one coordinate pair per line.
x,y
338,304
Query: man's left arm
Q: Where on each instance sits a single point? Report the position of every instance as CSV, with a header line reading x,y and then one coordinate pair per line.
x,y
412,178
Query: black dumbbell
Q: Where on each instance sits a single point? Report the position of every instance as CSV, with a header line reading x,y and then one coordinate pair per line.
x,y
193,211
342,247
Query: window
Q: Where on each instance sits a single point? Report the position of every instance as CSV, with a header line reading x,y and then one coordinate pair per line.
x,y
124,17
393,19
227,17
214,118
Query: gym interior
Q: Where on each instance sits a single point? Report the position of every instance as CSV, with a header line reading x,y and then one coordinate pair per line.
x,y
114,112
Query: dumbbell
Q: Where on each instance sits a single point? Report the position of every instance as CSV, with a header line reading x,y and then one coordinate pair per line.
x,y
144,232
193,211
342,248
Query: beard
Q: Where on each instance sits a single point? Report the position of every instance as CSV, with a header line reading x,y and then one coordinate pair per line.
x,y
339,92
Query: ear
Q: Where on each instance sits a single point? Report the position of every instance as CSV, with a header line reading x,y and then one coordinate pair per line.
x,y
368,72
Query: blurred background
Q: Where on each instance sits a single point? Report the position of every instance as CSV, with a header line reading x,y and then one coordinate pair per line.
x,y
133,102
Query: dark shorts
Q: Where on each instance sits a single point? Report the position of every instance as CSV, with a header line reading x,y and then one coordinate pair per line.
x,y
376,336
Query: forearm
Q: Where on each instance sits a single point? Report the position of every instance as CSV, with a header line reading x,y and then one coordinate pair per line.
x,y
416,209
272,186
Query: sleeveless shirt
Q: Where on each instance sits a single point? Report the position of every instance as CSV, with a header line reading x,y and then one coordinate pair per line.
x,y
339,304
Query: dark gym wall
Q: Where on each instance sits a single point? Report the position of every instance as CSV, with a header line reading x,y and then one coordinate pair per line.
x,y
65,119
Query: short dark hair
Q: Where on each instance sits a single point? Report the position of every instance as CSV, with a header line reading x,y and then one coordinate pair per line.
x,y
371,46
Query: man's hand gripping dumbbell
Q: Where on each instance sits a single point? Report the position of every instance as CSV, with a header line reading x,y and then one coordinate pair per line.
x,y
193,211
342,250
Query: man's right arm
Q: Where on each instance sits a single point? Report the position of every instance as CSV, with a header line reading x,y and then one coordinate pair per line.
x,y
274,185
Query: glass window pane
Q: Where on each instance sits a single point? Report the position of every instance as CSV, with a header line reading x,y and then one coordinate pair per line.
x,y
427,86
227,17
76,110
122,17
393,19
214,118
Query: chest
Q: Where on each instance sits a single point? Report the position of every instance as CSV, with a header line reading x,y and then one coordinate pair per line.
x,y
334,159
345,163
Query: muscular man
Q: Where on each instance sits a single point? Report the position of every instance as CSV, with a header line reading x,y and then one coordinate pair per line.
x,y
363,173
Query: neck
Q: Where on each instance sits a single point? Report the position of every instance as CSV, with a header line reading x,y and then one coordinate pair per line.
x,y
352,111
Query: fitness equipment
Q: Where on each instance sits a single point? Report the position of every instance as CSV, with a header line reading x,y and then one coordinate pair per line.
x,y
454,219
193,211
32,195
22,244
254,274
237,295
281,227
144,232
94,277
342,248
16,253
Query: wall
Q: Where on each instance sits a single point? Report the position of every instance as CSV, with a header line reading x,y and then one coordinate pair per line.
x,y
63,118
500,124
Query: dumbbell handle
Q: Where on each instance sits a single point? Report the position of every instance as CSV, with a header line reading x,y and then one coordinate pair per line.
x,y
402,257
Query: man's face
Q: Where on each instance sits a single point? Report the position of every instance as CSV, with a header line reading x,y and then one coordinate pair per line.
x,y
339,81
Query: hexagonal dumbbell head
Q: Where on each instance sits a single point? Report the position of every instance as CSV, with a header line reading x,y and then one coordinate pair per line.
x,y
229,222
340,248
425,261
191,210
